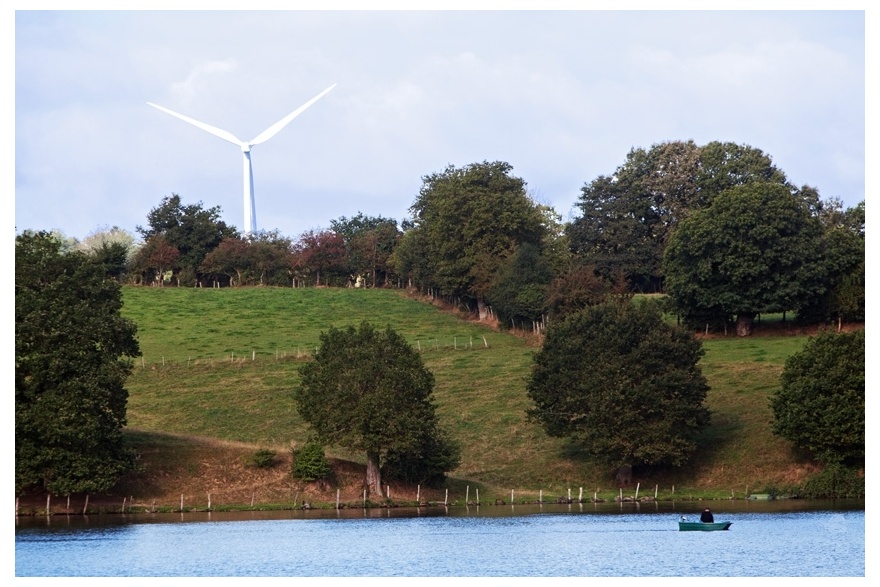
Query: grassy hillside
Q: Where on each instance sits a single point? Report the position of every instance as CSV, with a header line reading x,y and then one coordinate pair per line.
x,y
215,384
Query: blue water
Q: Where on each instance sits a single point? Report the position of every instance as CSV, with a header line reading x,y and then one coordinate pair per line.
x,y
526,541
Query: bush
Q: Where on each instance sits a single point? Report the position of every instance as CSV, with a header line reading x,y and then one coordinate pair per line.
x,y
263,458
309,463
833,482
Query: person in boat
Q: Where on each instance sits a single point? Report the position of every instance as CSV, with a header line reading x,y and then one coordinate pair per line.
x,y
706,517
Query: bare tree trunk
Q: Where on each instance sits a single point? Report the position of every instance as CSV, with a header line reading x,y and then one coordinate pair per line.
x,y
482,309
374,479
744,324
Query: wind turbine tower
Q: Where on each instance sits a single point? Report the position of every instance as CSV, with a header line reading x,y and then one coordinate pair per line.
x,y
250,212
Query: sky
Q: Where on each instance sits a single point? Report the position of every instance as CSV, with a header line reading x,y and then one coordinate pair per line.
x,y
560,95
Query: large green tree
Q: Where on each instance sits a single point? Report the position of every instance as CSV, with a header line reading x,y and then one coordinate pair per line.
x,y
73,353
623,384
755,249
820,405
368,390
193,230
628,217
466,222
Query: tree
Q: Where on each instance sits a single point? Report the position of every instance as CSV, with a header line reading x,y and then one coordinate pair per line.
x,y
820,405
154,259
370,242
844,259
578,288
628,217
621,383
321,252
73,353
368,390
466,222
111,247
755,249
230,258
519,292
271,255
190,229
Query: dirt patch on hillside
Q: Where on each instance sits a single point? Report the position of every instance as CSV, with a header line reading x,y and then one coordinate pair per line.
x,y
193,474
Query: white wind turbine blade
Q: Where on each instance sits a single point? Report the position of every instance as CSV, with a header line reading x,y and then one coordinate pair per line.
x,y
275,128
218,132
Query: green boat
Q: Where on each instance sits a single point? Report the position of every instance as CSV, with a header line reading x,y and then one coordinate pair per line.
x,y
685,525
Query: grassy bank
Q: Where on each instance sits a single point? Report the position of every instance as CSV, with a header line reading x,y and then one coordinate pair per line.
x,y
215,384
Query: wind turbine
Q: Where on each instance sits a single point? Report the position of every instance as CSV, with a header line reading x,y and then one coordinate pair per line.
x,y
250,212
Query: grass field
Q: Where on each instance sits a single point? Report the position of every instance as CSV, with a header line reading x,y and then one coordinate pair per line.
x,y
218,367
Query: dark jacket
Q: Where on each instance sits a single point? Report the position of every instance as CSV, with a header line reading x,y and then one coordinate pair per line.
x,y
707,517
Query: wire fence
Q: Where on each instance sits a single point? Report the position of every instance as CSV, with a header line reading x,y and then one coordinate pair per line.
x,y
455,343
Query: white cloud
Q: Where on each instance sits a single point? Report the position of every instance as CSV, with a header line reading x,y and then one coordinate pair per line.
x,y
198,79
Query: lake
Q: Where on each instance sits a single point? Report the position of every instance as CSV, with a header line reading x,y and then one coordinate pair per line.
x,y
785,538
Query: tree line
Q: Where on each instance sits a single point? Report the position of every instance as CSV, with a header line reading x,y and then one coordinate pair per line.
x,y
718,227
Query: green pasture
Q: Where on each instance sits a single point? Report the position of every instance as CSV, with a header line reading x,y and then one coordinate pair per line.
x,y
221,364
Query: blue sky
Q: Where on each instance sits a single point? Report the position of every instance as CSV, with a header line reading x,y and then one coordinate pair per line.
x,y
561,96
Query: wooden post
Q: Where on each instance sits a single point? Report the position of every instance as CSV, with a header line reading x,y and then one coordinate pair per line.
x,y
209,501
68,502
86,506
467,494
253,496
485,342
581,495
418,494
511,497
446,499
365,499
569,494
181,502
541,496
123,505
337,498
478,496
637,490
48,503
655,492
620,493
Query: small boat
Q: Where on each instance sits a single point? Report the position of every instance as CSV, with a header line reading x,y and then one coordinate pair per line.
x,y
685,525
